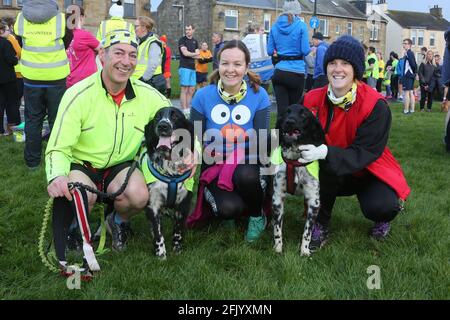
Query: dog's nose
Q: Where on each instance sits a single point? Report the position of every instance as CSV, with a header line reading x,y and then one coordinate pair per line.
x,y
164,126
290,121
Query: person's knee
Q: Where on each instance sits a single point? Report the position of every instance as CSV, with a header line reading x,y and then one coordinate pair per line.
x,y
230,209
381,210
136,195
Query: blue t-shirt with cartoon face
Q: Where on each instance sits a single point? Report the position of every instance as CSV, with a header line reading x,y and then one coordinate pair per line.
x,y
232,123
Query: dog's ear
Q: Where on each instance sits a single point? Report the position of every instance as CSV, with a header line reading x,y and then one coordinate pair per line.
x,y
315,131
151,140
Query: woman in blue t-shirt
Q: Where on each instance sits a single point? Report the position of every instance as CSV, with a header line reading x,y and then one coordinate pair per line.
x,y
231,111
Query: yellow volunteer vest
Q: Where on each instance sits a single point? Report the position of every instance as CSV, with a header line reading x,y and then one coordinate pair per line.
x,y
142,62
43,54
375,71
381,66
115,23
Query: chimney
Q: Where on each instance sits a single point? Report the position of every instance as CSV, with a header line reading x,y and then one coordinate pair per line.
x,y
382,4
436,11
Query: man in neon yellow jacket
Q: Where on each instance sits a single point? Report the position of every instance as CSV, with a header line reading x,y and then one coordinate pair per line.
x,y
98,131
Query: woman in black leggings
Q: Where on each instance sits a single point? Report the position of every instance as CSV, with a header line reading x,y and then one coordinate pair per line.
x,y
288,44
233,108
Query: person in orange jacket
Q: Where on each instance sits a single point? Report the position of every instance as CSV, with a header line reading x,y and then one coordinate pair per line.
x,y
201,65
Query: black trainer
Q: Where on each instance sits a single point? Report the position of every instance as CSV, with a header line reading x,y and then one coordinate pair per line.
x,y
119,233
319,236
74,240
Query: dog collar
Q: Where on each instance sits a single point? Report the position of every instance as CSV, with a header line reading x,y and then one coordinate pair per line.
x,y
172,182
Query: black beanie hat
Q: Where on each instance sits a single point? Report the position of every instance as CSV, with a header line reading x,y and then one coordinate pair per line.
x,y
349,49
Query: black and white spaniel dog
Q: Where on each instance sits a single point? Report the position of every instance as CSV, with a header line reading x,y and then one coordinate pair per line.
x,y
297,126
169,138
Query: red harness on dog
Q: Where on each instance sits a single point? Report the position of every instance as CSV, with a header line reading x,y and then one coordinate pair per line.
x,y
290,173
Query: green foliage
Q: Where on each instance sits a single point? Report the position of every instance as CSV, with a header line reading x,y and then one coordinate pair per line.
x,y
217,263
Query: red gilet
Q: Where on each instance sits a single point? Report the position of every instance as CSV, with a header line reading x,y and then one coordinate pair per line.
x,y
342,132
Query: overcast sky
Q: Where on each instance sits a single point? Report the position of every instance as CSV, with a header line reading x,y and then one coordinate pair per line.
x,y
412,5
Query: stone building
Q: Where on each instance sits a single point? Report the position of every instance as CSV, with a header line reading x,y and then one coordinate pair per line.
x,y
233,17
96,10
425,29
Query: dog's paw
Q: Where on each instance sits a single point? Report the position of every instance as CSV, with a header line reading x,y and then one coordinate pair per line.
x,y
278,247
162,256
305,251
177,249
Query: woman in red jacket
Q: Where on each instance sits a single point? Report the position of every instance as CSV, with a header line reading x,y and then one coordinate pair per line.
x,y
356,120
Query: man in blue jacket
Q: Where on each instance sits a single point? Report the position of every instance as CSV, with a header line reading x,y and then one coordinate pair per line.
x,y
320,77
408,77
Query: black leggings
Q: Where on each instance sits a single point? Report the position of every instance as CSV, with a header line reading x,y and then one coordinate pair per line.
x,y
9,102
288,88
394,86
425,96
247,194
377,200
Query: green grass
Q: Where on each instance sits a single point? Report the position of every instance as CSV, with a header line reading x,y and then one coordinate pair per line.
x,y
218,264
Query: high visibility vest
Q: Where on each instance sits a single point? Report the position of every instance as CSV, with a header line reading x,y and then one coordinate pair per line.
x,y
115,23
43,54
142,60
373,72
381,67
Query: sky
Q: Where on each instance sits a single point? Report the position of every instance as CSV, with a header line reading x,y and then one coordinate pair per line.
x,y
406,5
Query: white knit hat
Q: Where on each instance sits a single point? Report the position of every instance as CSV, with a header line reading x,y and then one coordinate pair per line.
x,y
116,10
291,7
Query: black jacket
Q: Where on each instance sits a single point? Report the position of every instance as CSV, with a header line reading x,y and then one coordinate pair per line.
x,y
8,60
426,71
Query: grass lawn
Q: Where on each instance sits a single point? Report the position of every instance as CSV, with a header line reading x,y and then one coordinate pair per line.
x,y
218,264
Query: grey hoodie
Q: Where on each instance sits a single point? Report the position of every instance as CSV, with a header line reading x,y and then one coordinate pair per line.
x,y
39,11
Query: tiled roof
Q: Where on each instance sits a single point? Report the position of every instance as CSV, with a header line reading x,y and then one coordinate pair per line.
x,y
410,19
338,8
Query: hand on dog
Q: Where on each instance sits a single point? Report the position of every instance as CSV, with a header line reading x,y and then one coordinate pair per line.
x,y
311,153
59,188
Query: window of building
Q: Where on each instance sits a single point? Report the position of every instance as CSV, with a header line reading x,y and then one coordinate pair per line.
x,y
338,29
267,17
7,3
70,2
419,56
231,19
432,40
349,28
413,37
323,27
374,32
361,33
19,3
420,37
129,8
